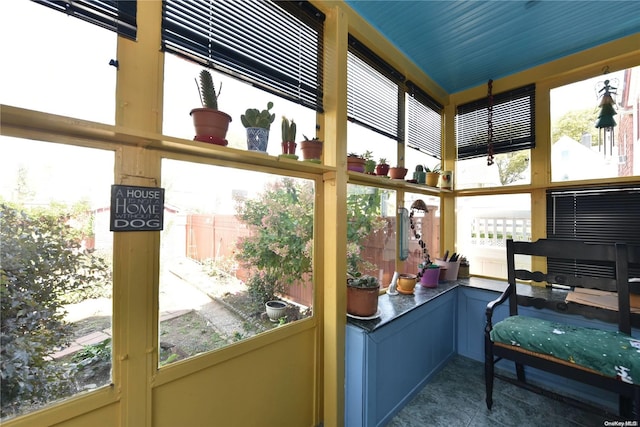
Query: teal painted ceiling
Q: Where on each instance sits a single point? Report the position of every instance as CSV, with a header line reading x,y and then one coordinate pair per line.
x,y
463,44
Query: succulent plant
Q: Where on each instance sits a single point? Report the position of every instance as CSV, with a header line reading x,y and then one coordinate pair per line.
x,y
207,90
254,118
364,281
288,130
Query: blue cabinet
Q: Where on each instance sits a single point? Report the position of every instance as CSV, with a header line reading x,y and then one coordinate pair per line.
x,y
387,366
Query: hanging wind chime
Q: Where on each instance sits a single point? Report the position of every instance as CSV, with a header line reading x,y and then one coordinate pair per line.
x,y
489,122
605,122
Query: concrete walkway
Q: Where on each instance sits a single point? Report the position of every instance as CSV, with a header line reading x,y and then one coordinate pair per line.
x,y
184,288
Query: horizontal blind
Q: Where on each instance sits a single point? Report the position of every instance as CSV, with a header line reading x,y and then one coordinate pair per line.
x,y
372,91
424,122
118,16
513,124
274,46
593,215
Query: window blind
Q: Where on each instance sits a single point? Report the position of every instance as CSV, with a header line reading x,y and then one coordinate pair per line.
x,y
593,215
277,47
373,91
118,16
513,124
424,122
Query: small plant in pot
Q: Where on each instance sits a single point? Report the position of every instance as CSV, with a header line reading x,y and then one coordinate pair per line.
x,y
398,172
369,163
210,124
289,138
382,169
432,176
311,149
362,295
355,162
258,124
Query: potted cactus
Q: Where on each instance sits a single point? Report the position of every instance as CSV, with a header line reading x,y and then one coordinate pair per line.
x,y
258,124
289,138
311,149
210,124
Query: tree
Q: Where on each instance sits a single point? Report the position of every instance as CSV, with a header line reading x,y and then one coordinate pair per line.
x,y
41,262
574,124
279,248
512,165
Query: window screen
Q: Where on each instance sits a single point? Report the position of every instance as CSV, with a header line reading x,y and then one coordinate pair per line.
x,y
274,46
373,95
114,15
424,122
513,124
594,215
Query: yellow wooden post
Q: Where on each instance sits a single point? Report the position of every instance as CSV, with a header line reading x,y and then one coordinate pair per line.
x,y
136,254
334,214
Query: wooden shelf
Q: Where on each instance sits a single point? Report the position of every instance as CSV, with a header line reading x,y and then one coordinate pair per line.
x,y
23,123
380,181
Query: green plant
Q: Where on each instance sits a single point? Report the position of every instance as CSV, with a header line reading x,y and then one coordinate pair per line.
x,y
254,118
352,154
315,138
382,161
42,261
368,155
288,130
436,168
263,287
207,90
362,281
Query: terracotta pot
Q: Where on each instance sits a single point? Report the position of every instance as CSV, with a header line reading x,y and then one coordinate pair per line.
x,y
289,147
432,179
362,302
311,150
406,283
382,170
355,164
211,125
397,173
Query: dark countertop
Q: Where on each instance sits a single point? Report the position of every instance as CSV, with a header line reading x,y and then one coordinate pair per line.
x,y
392,307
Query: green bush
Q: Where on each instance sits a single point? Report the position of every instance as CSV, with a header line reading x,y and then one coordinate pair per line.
x,y
41,263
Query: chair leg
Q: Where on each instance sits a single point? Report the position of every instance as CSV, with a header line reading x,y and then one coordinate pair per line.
x,y
488,373
520,372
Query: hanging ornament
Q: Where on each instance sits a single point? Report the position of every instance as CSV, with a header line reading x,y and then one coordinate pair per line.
x,y
489,122
419,205
605,122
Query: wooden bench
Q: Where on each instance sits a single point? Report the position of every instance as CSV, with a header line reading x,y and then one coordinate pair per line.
x,y
558,348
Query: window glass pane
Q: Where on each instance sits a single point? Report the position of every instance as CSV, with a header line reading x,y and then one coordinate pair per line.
x,y
361,140
427,226
507,169
228,249
59,64
371,232
55,273
181,96
483,228
581,151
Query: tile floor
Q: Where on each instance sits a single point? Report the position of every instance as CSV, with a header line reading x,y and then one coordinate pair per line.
x,y
455,397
